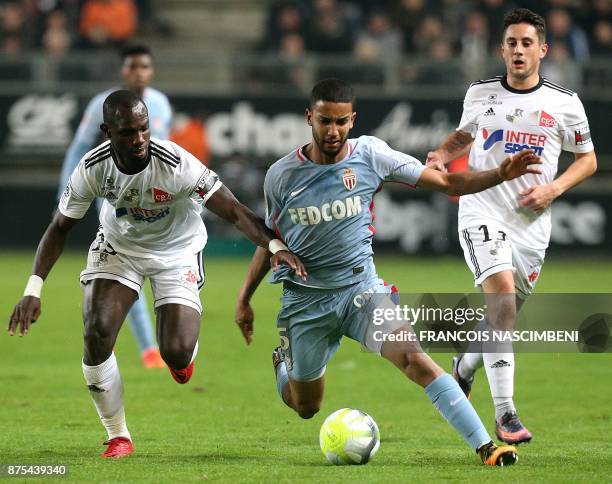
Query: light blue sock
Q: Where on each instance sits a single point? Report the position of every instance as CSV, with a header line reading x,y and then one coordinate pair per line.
x,y
447,397
282,379
140,324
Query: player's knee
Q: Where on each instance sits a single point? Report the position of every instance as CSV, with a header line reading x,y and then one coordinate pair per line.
x,y
176,355
98,333
307,410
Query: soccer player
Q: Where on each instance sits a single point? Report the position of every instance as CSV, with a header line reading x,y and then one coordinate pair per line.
x,y
318,201
136,75
505,230
153,192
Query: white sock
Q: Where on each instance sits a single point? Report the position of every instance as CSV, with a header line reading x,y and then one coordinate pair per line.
x,y
195,353
468,365
106,390
472,358
500,373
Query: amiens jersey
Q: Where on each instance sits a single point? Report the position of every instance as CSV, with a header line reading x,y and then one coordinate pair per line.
x,y
151,214
503,121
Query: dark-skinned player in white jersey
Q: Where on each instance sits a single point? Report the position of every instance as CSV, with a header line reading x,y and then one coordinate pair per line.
x,y
151,227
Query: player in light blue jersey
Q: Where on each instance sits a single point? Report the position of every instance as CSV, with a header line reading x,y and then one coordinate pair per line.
x,y
136,75
318,201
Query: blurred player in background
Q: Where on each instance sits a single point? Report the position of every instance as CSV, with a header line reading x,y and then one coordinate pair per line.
x,y
505,230
136,75
150,227
319,200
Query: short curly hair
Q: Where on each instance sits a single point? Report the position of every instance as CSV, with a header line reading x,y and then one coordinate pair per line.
x,y
525,16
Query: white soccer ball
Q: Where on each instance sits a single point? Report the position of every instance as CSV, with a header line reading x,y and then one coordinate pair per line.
x,y
349,436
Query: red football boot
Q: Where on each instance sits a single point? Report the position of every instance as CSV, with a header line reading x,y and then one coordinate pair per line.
x,y
118,447
182,376
152,359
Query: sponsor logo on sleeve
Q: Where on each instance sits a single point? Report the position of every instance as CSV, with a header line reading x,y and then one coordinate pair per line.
x,y
66,193
206,183
582,136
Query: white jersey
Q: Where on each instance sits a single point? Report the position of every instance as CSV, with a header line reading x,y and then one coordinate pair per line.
x,y
154,213
547,119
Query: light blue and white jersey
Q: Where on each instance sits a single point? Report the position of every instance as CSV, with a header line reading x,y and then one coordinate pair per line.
x,y
88,133
324,213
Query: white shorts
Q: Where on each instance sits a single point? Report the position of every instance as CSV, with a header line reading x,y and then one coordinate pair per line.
x,y
176,281
488,249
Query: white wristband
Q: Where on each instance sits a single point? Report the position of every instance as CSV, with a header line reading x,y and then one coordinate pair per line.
x,y
275,245
34,286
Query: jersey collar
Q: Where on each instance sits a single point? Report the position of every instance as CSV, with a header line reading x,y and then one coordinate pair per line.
x,y
302,157
504,82
116,162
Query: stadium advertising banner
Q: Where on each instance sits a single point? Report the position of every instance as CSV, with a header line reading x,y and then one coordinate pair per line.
x,y
261,127
245,135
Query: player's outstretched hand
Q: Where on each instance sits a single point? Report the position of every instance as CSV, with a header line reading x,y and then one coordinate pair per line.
x,y
435,162
519,165
290,259
244,319
26,313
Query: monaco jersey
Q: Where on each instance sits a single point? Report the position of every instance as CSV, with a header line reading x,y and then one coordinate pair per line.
x,y
324,213
154,213
547,119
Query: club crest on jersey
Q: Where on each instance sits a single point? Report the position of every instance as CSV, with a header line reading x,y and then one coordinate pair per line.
x,y
349,178
132,195
514,115
160,196
547,120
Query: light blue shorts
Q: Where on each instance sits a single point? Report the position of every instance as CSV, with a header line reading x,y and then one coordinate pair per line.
x,y
312,322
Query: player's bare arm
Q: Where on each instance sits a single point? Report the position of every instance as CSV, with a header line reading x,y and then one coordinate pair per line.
x,y
258,268
457,144
224,204
27,310
473,182
541,197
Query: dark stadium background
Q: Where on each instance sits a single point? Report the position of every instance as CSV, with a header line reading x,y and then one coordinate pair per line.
x,y
238,73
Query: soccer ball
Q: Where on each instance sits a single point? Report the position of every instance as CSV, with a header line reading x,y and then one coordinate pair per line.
x,y
349,436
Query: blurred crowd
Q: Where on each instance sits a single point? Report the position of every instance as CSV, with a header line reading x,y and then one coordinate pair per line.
x,y
454,38
438,30
390,28
59,26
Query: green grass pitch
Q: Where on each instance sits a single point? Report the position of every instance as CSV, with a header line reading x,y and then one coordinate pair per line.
x,y
228,423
